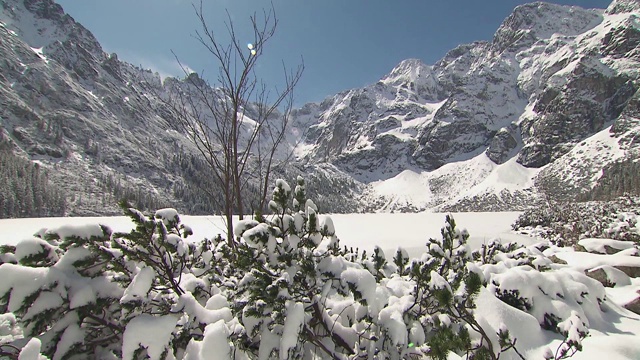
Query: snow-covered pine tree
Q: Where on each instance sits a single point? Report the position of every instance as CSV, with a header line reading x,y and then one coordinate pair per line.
x,y
282,282
304,296
56,287
285,291
445,290
84,292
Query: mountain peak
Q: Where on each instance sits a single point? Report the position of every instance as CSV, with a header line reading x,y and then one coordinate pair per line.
x,y
45,9
415,75
406,70
410,63
623,6
409,71
539,20
44,24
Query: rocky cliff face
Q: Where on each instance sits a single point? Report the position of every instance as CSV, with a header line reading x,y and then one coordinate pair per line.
x,y
80,111
547,107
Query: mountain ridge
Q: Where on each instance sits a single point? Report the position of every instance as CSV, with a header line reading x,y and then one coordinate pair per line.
x,y
491,126
543,85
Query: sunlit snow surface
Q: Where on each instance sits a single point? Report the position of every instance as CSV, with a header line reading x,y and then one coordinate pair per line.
x,y
614,331
481,177
363,231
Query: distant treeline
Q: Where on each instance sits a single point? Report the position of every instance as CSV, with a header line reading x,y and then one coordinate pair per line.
x,y
115,188
25,190
197,180
333,193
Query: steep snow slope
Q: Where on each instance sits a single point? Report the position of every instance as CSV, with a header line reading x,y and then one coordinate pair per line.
x,y
77,110
465,182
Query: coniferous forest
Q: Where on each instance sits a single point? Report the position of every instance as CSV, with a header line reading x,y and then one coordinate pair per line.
x,y
25,190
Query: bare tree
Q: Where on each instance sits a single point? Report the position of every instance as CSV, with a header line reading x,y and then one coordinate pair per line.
x,y
237,148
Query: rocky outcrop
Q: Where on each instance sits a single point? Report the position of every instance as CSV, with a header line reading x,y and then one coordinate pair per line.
x,y
502,145
623,6
609,276
531,22
591,96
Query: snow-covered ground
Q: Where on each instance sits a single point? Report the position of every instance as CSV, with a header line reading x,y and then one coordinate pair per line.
x,y
613,330
363,231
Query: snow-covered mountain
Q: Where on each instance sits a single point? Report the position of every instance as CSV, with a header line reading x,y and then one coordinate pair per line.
x,y
549,107
542,108
80,111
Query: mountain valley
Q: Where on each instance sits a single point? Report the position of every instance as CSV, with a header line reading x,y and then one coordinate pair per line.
x,y
549,109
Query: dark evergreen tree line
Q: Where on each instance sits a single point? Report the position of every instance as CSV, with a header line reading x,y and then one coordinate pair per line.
x,y
333,190
25,189
115,189
197,180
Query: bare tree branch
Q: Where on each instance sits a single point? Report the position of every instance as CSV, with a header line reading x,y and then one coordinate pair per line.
x,y
233,140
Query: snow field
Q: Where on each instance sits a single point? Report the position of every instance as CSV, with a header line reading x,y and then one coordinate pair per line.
x,y
410,231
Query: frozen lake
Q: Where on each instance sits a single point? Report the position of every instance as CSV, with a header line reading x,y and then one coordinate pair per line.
x,y
364,231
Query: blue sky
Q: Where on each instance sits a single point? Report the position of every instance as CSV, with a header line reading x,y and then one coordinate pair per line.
x,y
345,43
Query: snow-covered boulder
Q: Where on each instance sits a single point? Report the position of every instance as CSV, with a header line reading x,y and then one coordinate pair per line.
x,y
609,276
634,305
604,246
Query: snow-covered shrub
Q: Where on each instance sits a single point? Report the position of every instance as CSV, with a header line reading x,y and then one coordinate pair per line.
x,y
494,251
301,294
566,223
7,254
87,292
284,289
289,265
562,300
512,254
54,291
574,329
446,284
